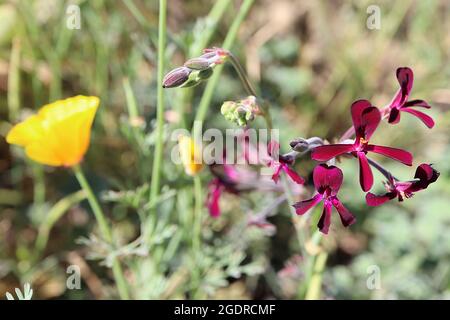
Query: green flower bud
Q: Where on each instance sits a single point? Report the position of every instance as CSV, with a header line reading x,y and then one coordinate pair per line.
x,y
240,112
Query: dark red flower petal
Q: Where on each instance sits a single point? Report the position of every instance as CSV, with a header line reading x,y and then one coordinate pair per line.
x,y
397,154
374,200
426,175
365,173
346,217
417,103
325,176
426,119
302,207
329,151
405,78
365,118
276,175
394,116
293,175
325,218
212,200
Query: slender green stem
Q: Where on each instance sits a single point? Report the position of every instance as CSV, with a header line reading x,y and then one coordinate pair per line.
x,y
212,20
39,184
301,236
228,42
315,283
250,89
197,235
95,206
242,75
197,213
53,215
156,174
14,81
104,230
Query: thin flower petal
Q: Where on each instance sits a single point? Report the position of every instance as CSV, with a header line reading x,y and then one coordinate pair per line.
x,y
417,103
374,200
347,218
325,218
426,119
302,207
276,175
325,176
365,173
212,200
405,78
329,151
293,175
397,154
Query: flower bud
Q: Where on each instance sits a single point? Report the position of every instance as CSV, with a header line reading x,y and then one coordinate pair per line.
x,y
197,63
177,77
240,112
197,76
303,145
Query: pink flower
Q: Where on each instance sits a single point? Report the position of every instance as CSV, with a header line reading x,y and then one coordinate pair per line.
x,y
281,163
400,102
425,175
365,119
327,181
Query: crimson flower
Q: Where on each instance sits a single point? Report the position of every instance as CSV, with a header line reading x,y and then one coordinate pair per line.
x,y
224,182
280,163
365,119
400,102
327,181
425,175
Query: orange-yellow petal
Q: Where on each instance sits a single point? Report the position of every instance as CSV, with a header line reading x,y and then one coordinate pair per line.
x,y
190,155
59,134
26,132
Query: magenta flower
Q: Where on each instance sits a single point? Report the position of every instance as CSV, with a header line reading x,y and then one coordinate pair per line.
x,y
365,119
400,102
327,181
225,182
280,163
425,175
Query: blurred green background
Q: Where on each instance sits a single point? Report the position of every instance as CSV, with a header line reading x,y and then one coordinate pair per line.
x,y
310,59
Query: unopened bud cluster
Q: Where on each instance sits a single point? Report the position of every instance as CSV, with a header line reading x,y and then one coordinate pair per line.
x,y
241,112
195,70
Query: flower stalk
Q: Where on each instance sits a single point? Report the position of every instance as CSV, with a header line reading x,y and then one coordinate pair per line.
x,y
156,171
104,230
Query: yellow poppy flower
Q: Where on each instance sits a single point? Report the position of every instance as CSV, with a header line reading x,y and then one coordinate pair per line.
x,y
59,134
190,155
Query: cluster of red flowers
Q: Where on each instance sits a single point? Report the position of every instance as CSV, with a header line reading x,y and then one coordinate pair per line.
x,y
328,178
